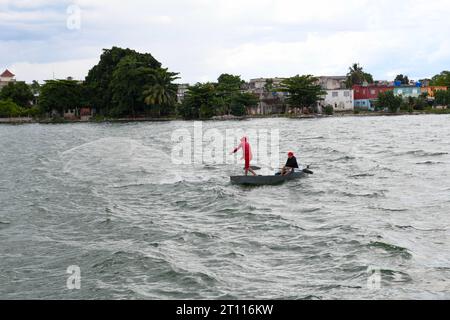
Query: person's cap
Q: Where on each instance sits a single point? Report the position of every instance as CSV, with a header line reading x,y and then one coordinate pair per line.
x,y
290,153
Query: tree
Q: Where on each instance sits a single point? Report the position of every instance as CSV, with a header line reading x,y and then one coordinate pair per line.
x,y
403,79
442,79
357,76
162,93
200,102
390,101
100,76
19,92
60,95
228,86
442,98
127,84
241,101
9,109
304,91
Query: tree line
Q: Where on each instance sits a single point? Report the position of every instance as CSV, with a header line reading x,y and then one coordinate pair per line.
x,y
126,83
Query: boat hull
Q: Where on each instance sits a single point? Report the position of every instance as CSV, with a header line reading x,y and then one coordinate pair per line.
x,y
265,180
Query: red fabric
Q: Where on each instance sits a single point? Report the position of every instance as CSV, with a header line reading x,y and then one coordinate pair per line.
x,y
247,152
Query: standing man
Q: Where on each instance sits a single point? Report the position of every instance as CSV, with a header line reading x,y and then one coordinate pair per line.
x,y
247,154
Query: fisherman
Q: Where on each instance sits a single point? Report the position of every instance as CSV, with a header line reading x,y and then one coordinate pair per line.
x,y
291,164
247,154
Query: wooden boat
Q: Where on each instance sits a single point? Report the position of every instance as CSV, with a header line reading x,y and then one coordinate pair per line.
x,y
267,180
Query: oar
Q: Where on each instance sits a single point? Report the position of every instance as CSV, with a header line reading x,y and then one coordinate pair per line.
x,y
307,171
254,168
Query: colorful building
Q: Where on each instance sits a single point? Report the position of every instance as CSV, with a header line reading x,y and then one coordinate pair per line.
x,y
365,97
407,91
431,90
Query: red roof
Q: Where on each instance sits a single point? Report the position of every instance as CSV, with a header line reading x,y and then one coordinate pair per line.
x,y
7,74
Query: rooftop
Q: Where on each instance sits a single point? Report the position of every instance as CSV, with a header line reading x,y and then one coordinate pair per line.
x,y
7,74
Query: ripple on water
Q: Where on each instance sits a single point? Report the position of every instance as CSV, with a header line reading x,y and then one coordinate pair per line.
x,y
391,249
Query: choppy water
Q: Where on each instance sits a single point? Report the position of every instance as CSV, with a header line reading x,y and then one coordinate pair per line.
x,y
106,198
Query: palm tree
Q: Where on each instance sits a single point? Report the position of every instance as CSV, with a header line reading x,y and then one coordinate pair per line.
x,y
162,92
356,75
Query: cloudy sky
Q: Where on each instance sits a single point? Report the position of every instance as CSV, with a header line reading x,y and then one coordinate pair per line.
x,y
201,39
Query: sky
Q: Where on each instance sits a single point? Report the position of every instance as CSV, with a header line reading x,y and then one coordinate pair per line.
x,y
201,39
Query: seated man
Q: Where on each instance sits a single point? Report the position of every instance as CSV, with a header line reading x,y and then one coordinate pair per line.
x,y
291,164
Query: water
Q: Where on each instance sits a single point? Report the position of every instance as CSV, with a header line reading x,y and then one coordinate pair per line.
x,y
105,197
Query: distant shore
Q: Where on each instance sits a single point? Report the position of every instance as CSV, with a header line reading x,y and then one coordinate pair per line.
x,y
15,121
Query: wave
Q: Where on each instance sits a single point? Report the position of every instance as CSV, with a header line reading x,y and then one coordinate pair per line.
x,y
392,249
429,163
362,175
423,153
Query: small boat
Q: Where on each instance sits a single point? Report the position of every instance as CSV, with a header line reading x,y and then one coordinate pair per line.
x,y
268,180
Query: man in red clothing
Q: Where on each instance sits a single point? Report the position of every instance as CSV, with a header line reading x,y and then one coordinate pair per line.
x,y
247,154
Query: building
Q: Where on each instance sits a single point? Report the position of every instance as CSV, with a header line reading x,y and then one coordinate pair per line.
x,y
181,91
407,91
365,97
332,82
339,99
6,77
271,98
431,90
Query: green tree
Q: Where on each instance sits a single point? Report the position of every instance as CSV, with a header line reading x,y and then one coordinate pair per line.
x,y
61,95
162,93
127,84
389,100
442,98
442,79
304,91
100,77
357,76
9,109
19,92
227,88
200,102
241,101
403,79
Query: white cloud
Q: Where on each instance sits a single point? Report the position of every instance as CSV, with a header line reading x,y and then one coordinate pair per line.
x,y
77,69
202,38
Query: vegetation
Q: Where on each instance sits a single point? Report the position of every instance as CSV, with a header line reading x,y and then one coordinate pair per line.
x,y
206,100
61,95
387,100
403,79
18,92
442,79
357,76
304,91
328,110
442,98
162,93
116,84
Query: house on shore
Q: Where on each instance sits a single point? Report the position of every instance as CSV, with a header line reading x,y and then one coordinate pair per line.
x,y
340,99
366,96
408,91
332,82
271,98
431,91
6,77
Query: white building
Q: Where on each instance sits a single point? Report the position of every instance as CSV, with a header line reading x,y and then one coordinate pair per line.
x,y
181,92
339,99
333,82
5,78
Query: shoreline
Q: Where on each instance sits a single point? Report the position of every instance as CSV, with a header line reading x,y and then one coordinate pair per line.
x,y
18,121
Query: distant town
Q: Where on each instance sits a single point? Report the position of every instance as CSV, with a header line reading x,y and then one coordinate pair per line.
x,y
135,86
